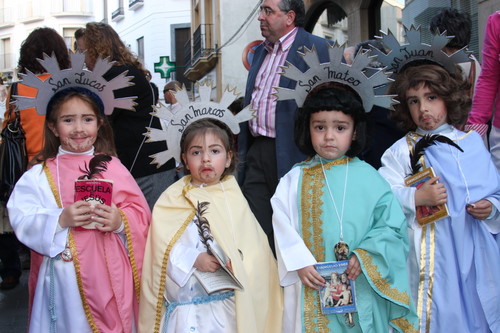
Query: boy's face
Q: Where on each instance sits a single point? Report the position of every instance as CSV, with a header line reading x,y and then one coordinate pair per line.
x,y
206,158
427,109
332,133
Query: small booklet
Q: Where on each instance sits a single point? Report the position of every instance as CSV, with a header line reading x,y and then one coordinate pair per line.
x,y
339,294
221,279
426,214
95,191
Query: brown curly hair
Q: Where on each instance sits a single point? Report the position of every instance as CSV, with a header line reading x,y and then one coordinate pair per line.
x,y
452,88
40,41
101,40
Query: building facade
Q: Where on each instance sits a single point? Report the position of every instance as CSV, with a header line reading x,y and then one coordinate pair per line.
x,y
221,40
18,18
156,31
196,40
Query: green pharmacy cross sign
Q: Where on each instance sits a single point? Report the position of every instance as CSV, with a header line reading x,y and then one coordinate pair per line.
x,y
164,67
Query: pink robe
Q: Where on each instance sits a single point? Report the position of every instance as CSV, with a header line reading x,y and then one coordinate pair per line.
x,y
107,271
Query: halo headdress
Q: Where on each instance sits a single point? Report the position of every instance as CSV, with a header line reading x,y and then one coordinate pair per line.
x,y
401,55
76,76
336,71
190,112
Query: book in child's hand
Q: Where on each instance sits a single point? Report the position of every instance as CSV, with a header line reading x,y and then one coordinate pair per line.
x,y
426,214
338,295
221,279
217,281
95,191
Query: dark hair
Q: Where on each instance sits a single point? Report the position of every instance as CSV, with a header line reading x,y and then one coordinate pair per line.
x,y
104,143
54,100
331,96
298,7
38,42
451,88
208,125
237,105
79,33
156,92
365,45
455,24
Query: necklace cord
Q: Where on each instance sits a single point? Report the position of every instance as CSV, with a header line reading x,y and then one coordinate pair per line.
x,y
341,216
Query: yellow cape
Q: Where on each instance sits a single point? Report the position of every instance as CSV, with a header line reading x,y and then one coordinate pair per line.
x,y
259,307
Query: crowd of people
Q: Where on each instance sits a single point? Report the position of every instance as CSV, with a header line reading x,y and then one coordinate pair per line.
x,y
227,236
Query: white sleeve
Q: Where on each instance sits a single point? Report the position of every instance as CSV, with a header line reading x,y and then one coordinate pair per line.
x,y
291,251
395,167
34,214
181,260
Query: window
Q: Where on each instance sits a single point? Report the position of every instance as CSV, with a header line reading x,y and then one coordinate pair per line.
x,y
69,38
140,49
330,22
6,54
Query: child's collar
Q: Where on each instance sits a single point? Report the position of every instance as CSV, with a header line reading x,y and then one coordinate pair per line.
x,y
62,151
443,129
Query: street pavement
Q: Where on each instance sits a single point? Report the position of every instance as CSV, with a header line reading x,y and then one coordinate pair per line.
x,y
14,307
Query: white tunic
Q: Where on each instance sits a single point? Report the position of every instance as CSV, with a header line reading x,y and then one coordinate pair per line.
x,y
183,287
38,228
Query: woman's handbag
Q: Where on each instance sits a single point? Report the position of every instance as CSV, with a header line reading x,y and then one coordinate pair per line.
x,y
13,154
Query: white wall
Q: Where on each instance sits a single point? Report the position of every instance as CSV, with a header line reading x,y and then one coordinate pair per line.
x,y
152,21
234,73
25,16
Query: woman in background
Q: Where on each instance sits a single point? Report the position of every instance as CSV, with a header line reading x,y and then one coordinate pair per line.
x,y
100,40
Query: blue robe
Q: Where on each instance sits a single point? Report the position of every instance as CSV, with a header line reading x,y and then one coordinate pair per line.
x,y
455,261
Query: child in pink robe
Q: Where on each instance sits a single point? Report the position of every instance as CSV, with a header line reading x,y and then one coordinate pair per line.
x,y
88,279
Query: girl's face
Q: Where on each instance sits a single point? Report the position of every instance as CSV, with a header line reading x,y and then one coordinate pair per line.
x,y
332,133
427,109
206,159
76,126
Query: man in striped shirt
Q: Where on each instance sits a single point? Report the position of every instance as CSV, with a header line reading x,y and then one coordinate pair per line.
x,y
266,145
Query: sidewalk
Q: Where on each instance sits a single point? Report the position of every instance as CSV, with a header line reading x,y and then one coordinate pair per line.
x,y
14,307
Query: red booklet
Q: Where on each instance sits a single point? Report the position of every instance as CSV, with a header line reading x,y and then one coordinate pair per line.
x,y
426,214
95,191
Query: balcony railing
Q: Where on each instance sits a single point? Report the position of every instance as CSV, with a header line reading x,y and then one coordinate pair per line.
x,y
30,11
134,4
200,53
65,7
187,53
6,16
202,42
118,14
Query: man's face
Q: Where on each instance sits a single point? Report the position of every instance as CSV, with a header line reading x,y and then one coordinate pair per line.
x,y
80,44
169,96
275,23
